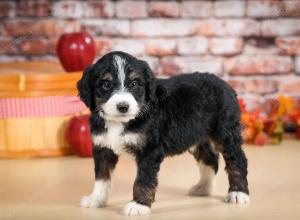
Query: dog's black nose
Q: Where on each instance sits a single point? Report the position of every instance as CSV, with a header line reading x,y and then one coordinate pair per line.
x,y
123,107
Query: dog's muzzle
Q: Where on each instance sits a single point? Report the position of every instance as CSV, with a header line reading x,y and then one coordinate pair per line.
x,y
121,107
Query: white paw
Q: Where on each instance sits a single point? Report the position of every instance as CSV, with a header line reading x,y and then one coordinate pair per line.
x,y
237,197
92,201
134,208
201,189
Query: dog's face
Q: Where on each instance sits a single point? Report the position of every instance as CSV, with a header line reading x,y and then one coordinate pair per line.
x,y
117,86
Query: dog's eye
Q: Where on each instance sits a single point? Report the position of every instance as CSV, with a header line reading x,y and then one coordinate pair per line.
x,y
107,85
133,84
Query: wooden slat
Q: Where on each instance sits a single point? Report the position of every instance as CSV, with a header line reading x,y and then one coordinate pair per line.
x,y
3,135
57,138
7,78
36,126
31,67
21,135
17,134
67,92
33,79
29,78
8,86
50,86
53,77
65,85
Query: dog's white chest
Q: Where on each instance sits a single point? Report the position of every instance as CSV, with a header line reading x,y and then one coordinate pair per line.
x,y
115,138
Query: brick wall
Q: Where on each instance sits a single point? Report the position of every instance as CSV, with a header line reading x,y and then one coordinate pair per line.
x,y
254,44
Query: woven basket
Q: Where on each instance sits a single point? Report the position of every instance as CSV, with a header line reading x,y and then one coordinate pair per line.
x,y
34,109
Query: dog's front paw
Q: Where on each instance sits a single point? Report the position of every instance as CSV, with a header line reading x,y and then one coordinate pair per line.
x,y
134,208
237,197
92,201
201,189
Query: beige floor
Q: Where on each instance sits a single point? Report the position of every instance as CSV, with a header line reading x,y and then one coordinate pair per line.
x,y
52,188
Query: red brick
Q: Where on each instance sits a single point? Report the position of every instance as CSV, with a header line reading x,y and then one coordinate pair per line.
x,y
261,86
288,45
192,46
163,9
33,46
64,26
107,27
177,65
68,9
163,27
196,9
153,62
161,47
15,58
169,68
237,85
7,8
131,9
256,65
135,47
297,65
280,27
252,49
226,46
47,57
22,27
99,9
229,27
52,45
273,8
33,8
229,8
40,27
290,85
290,8
103,46
7,46
263,8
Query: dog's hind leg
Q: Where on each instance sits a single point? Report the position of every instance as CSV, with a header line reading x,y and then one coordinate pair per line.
x,y
236,164
208,162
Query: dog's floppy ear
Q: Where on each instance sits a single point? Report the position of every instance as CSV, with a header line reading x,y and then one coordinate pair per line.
x,y
84,87
150,82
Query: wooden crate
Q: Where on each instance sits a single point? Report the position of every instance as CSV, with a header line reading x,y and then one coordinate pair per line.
x,y
22,136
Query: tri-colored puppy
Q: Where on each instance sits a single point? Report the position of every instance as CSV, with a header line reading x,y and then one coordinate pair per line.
x,y
154,118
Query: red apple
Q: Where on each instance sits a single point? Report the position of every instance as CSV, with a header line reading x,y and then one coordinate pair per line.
x,y
76,51
261,139
79,136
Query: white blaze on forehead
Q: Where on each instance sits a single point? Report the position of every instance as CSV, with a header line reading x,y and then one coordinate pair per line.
x,y
119,63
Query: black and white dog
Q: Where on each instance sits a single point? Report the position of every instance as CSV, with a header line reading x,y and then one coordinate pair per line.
x,y
153,118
